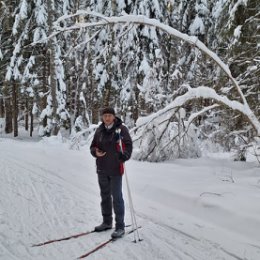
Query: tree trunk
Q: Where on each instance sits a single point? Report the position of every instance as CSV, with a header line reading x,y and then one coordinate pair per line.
x,y
31,123
107,94
26,116
2,109
95,112
52,73
8,116
44,86
15,108
7,44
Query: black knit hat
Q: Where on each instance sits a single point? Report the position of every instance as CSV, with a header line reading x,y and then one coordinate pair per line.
x,y
108,110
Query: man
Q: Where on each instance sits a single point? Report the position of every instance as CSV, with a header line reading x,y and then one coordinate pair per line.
x,y
110,162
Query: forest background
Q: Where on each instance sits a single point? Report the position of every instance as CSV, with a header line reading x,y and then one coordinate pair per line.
x,y
57,85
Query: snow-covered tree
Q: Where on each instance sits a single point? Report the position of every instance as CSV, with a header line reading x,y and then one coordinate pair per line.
x,y
32,22
140,67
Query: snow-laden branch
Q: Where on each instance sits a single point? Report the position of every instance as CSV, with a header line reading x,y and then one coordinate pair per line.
x,y
141,19
206,93
193,93
199,113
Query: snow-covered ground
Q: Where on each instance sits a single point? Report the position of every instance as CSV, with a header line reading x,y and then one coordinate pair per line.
x,y
196,209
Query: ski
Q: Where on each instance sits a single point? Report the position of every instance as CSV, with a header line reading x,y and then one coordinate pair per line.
x,y
104,244
96,248
64,238
67,238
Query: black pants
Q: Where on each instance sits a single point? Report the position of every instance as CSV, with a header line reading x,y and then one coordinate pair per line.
x,y
111,193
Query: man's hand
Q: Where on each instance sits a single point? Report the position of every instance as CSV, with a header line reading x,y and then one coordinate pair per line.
x,y
99,153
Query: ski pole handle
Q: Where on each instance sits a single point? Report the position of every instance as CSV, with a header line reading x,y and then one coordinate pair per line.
x,y
118,131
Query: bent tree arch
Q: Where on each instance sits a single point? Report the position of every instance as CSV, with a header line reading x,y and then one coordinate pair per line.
x,y
193,93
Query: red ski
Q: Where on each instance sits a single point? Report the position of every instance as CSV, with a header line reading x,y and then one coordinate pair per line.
x,y
96,248
64,238
67,238
104,244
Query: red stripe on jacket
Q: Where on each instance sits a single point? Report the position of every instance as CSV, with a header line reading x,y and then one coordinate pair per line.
x,y
118,148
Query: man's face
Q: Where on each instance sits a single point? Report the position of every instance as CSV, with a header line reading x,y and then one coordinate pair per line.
x,y
108,119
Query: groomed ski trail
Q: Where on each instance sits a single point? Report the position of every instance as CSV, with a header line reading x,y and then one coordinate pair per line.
x,y
43,195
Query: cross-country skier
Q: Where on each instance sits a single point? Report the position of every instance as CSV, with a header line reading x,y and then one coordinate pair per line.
x,y
110,162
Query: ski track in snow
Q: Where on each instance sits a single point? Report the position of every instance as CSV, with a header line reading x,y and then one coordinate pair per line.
x,y
38,202
39,195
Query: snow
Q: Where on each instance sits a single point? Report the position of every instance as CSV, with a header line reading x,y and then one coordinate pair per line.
x,y
237,31
9,72
144,66
198,209
16,22
40,13
2,125
35,109
203,92
39,34
197,27
23,9
121,5
218,8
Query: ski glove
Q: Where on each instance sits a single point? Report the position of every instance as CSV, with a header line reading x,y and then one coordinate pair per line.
x,y
123,156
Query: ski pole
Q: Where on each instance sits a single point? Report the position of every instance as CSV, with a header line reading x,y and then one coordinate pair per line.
x,y
135,226
132,211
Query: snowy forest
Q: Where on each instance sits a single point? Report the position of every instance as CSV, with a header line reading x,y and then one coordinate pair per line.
x,y
177,72
183,76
